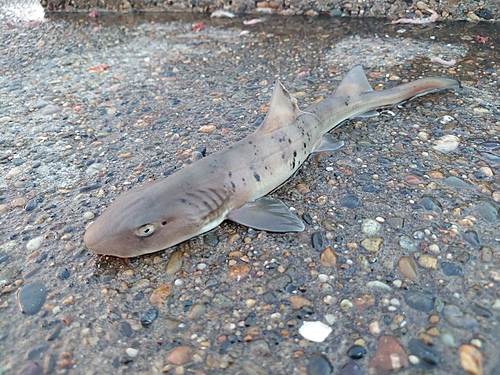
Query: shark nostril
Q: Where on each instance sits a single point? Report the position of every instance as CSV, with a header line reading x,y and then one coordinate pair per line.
x,y
163,223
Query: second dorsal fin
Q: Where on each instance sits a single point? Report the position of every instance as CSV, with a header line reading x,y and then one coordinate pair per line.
x,y
354,83
283,110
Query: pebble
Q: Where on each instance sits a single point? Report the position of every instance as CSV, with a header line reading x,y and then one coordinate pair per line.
x,y
378,286
451,269
370,227
488,210
395,222
372,244
19,202
160,294
239,272
408,268
319,365
446,143
407,243
350,201
30,368
149,317
356,352
180,355
471,359
351,368
457,183
174,263
259,348
457,318
328,258
315,331
31,297
423,351
389,356
472,238
319,241
132,352
428,261
419,300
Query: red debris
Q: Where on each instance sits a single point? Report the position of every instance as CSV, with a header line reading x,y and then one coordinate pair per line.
x,y
198,26
481,39
99,68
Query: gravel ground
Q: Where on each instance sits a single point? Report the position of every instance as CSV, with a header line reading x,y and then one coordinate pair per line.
x,y
401,253
474,10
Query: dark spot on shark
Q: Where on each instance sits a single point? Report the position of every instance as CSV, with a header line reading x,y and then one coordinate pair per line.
x,y
283,155
265,167
233,185
346,103
250,142
305,145
293,164
294,153
230,174
183,200
256,176
243,179
289,141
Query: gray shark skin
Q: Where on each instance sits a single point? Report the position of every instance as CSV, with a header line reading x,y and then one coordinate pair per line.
x,y
232,183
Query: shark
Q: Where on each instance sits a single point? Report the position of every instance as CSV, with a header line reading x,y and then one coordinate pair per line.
x,y
234,183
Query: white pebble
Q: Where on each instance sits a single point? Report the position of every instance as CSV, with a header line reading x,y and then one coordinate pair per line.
x,y
131,352
378,286
446,143
315,331
34,243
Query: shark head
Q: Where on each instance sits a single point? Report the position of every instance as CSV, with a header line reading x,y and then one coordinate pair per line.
x,y
139,223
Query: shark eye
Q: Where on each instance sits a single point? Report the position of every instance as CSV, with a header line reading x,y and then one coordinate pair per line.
x,y
145,230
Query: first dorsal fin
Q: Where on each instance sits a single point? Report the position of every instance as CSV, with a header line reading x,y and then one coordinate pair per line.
x,y
283,110
354,83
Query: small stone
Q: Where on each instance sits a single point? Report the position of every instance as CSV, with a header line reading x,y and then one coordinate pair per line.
x,y
197,311
208,128
19,202
299,302
34,243
350,368
160,294
419,300
315,331
446,143
356,352
378,286
408,268
372,244
149,317
31,368
319,365
389,356
370,227
131,352
350,201
328,258
31,297
13,173
395,222
319,241
471,359
364,302
239,272
174,263
421,5
428,261
50,110
180,355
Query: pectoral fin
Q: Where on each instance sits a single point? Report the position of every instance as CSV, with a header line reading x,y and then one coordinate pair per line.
x,y
267,214
329,143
